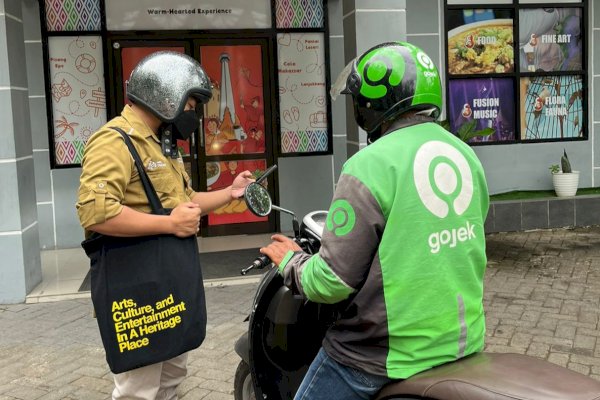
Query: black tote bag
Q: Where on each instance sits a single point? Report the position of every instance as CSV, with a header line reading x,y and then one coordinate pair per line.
x,y
147,291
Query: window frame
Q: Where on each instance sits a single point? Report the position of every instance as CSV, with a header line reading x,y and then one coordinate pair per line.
x,y
516,75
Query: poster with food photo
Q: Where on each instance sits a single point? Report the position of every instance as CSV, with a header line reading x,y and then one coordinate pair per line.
x,y
480,41
550,39
552,107
489,102
220,174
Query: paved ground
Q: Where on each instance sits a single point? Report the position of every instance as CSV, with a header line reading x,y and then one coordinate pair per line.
x,y
542,298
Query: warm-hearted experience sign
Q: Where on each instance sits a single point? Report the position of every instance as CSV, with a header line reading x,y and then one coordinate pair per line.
x,y
191,14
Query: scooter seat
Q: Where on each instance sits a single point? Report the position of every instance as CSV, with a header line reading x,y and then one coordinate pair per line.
x,y
488,376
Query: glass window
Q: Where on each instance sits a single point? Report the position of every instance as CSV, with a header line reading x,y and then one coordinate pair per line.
x,y
541,99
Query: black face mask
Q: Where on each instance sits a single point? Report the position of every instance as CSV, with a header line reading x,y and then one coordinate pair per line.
x,y
180,129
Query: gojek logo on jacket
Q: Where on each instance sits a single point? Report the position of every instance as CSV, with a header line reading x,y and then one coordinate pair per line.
x,y
341,218
444,182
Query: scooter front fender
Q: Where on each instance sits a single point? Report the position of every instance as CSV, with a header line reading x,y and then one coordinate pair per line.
x,y
242,347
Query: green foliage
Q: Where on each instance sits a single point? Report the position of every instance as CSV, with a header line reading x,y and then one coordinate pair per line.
x,y
565,164
467,130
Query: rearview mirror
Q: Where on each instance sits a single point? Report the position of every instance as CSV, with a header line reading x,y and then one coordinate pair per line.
x,y
258,199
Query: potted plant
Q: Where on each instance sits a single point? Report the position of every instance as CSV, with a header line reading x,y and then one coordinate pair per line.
x,y
565,180
467,131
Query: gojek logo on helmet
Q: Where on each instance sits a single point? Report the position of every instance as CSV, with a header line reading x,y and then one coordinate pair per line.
x,y
430,70
444,183
381,70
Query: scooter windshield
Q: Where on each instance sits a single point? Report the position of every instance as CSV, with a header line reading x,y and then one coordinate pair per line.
x,y
339,86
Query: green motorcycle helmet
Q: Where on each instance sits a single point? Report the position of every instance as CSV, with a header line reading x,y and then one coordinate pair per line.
x,y
387,81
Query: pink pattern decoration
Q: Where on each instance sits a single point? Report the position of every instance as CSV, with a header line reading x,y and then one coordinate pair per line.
x,y
299,13
72,15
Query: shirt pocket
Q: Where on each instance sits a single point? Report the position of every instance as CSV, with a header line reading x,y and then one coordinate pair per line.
x,y
163,182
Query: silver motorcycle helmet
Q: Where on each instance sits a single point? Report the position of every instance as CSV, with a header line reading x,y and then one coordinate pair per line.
x,y
163,81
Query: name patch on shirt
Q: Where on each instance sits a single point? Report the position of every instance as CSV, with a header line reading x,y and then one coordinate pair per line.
x,y
153,165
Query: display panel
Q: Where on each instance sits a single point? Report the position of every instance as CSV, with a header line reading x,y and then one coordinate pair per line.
x,y
77,90
234,118
550,39
489,101
552,107
480,41
302,95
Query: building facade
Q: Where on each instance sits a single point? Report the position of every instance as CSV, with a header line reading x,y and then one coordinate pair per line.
x,y
63,66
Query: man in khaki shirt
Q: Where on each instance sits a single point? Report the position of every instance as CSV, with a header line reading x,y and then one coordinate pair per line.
x,y
165,88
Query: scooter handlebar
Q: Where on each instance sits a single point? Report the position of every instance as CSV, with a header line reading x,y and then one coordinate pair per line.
x,y
259,263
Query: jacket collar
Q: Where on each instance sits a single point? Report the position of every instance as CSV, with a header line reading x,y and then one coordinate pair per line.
x,y
140,128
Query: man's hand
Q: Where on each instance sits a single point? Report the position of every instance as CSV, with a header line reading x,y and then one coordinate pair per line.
x,y
277,250
239,184
185,219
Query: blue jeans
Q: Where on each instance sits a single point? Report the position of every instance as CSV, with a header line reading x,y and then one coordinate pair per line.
x,y
327,379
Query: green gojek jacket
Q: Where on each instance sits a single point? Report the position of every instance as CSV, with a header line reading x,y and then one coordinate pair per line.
x,y
404,245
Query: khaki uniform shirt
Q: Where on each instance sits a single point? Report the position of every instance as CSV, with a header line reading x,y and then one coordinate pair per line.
x,y
109,179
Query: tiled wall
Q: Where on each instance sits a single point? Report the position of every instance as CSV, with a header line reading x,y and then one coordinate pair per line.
x,y
424,25
511,216
19,237
367,23
39,121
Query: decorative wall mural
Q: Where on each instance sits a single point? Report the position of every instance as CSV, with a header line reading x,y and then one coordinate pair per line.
x,y
78,98
73,15
234,120
299,13
302,94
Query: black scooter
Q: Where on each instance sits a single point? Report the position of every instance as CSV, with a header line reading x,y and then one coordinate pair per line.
x,y
285,333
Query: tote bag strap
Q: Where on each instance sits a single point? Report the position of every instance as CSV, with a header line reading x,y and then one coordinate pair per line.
x,y
155,203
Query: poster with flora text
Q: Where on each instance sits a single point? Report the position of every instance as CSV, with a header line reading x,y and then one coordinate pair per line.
x,y
77,90
552,107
